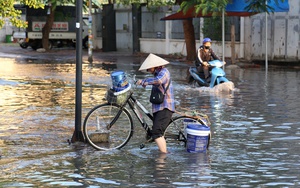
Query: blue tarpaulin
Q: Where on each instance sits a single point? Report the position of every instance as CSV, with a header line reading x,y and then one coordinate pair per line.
x,y
236,8
240,6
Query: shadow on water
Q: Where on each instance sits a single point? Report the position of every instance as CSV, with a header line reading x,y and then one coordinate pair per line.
x,y
255,134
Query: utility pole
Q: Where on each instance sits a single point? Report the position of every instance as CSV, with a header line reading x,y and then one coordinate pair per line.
x,y
90,50
78,136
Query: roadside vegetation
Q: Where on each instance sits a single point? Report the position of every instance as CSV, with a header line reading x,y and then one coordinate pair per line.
x,y
7,10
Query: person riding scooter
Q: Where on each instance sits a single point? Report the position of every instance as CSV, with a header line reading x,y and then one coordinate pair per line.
x,y
206,61
204,55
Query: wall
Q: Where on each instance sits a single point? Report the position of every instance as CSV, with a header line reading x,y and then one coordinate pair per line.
x,y
97,29
283,38
161,37
177,46
283,35
6,30
2,34
166,37
124,28
152,27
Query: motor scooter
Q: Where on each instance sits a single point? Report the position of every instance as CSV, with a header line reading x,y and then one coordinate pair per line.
x,y
217,75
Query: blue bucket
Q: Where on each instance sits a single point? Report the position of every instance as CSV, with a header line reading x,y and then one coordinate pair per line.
x,y
119,81
198,137
185,124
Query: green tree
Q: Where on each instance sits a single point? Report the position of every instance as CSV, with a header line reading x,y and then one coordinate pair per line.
x,y
7,11
212,28
261,5
50,19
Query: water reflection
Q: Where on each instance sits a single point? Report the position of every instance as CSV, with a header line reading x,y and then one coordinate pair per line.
x,y
255,138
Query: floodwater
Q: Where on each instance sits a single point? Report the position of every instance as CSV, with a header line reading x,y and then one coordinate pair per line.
x,y
255,130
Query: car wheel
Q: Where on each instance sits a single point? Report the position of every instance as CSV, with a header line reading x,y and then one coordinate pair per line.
x,y
24,45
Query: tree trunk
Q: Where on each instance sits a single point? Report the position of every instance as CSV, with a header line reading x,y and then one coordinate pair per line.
x,y
47,28
232,44
189,36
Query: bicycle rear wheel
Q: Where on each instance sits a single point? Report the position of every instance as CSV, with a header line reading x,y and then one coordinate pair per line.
x,y
107,127
175,132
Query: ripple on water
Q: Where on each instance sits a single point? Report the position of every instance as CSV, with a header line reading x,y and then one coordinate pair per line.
x,y
8,82
66,183
255,141
287,138
281,184
103,181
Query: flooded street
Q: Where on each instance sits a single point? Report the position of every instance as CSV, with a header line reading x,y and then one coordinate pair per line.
x,y
255,129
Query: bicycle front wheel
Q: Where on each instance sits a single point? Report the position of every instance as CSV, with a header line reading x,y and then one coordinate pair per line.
x,y
175,133
107,127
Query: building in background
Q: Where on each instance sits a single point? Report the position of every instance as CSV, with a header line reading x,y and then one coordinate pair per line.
x,y
127,28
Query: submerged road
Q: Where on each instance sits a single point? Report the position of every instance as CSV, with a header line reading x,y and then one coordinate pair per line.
x,y
255,128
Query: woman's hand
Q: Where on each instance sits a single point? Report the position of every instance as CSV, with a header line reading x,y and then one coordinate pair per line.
x,y
139,82
205,63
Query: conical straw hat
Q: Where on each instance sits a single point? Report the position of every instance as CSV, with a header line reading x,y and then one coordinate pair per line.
x,y
153,61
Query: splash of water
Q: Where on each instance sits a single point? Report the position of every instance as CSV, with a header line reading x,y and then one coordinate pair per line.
x,y
224,87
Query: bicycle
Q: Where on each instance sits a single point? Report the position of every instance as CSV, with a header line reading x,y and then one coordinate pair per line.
x,y
110,125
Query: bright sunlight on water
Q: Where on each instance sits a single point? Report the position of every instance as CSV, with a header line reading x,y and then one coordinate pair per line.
x,y
255,130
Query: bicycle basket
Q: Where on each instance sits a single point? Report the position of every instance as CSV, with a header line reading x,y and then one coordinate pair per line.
x,y
117,97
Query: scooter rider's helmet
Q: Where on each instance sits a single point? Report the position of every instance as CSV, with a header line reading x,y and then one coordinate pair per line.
x,y
205,40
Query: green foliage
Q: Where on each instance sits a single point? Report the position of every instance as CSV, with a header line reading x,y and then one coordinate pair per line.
x,y
7,11
55,3
152,3
261,6
212,28
214,6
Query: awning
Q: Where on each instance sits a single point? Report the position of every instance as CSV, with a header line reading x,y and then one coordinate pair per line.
x,y
236,8
240,6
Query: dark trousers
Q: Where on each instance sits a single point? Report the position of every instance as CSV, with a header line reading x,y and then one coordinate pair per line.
x,y
204,69
161,120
